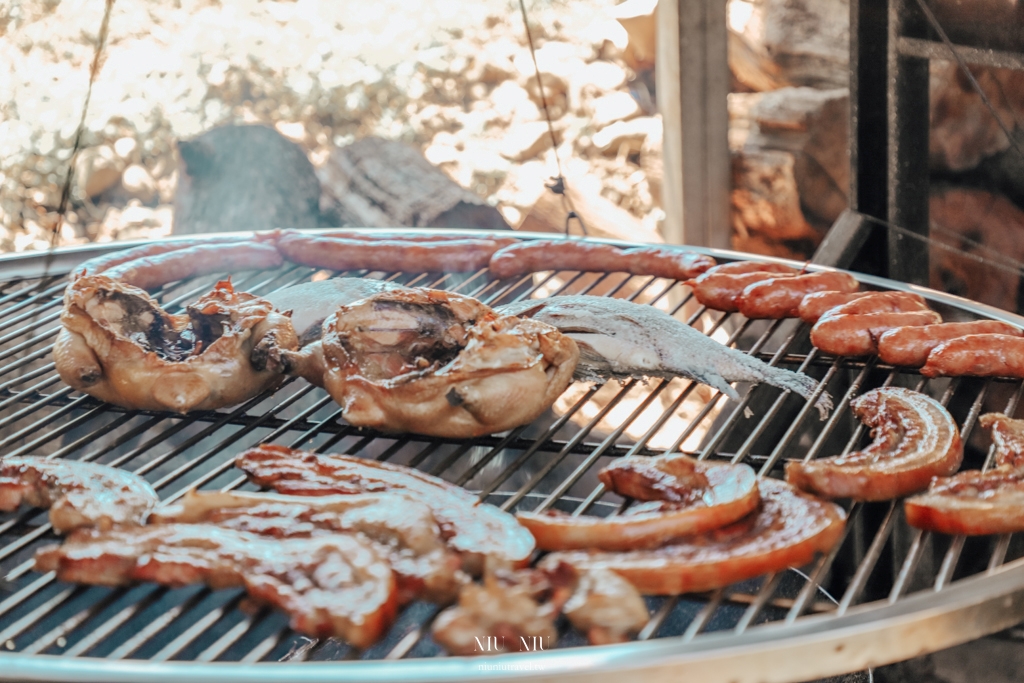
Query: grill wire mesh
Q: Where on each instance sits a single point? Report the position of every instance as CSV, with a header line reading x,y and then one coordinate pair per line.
x,y
550,464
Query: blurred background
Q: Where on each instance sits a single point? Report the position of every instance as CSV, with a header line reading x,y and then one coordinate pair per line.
x,y
453,83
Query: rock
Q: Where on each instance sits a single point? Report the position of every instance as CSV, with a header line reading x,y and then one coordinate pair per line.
x,y
766,203
511,102
601,77
639,19
986,218
813,126
244,178
125,147
491,64
526,140
963,131
616,106
384,183
652,164
138,183
809,41
97,170
631,133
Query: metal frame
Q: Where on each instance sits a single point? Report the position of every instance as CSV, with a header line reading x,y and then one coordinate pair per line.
x,y
898,622
891,44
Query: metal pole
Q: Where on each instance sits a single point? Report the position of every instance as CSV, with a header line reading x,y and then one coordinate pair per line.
x,y
693,85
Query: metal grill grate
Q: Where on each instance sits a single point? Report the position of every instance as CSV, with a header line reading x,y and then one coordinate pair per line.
x,y
880,571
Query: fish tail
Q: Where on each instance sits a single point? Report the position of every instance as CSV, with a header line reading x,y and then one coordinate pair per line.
x,y
801,384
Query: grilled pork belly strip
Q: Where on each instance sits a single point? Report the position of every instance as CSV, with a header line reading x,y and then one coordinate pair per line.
x,y
78,494
403,529
685,497
975,502
330,586
467,525
787,530
915,439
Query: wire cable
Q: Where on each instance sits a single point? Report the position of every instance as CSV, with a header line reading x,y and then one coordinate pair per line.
x,y
558,184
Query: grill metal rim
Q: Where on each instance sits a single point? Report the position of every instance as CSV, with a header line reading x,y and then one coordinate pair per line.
x,y
999,589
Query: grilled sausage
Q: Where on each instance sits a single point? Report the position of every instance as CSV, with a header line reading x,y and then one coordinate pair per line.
x,y
577,254
781,297
813,306
335,253
720,291
977,355
910,346
857,335
100,264
737,267
880,302
151,271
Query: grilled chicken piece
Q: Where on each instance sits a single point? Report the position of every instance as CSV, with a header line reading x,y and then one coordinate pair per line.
x,y
686,496
517,609
915,439
620,339
330,586
436,363
403,529
118,345
79,494
975,502
468,526
787,530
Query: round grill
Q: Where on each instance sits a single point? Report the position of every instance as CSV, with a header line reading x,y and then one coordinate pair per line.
x,y
887,592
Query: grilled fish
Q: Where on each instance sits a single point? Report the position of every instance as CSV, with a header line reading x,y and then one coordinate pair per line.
x,y
619,339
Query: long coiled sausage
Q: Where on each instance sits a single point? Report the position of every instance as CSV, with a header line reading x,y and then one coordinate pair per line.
x,y
576,254
149,272
334,253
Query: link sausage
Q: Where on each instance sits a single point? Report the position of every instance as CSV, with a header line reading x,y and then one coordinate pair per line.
x,y
816,305
880,302
781,297
721,291
910,346
100,264
149,272
977,355
857,335
577,254
738,267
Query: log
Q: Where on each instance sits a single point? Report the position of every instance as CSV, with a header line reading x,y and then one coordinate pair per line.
x,y
383,183
983,217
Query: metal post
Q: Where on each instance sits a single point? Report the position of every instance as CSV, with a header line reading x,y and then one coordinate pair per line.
x,y
693,85
908,149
